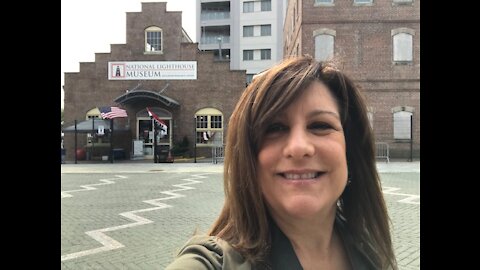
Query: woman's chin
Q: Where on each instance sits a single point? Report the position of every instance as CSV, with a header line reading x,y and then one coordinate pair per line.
x,y
303,208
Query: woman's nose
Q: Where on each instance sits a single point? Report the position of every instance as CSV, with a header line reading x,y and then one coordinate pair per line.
x,y
299,144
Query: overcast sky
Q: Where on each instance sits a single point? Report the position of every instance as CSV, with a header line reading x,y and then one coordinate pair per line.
x,y
90,26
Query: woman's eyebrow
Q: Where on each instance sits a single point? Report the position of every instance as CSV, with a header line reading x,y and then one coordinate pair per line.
x,y
317,112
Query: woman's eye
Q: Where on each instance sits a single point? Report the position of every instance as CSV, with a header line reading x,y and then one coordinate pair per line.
x,y
276,127
320,126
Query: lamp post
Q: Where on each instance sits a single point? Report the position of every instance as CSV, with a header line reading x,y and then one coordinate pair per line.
x,y
219,47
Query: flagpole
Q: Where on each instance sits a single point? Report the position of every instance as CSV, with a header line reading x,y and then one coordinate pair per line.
x,y
75,150
155,158
93,133
111,140
194,139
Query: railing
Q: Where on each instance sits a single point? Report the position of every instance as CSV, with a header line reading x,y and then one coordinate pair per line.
x,y
214,39
382,151
218,154
205,16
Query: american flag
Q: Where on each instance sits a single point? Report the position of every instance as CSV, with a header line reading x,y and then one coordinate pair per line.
x,y
112,112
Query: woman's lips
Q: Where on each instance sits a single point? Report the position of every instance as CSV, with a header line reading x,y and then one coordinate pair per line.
x,y
312,175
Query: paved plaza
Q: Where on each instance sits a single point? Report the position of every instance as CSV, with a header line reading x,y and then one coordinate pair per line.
x,y
137,215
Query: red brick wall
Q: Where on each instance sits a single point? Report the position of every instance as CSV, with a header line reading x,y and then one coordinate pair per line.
x,y
216,85
364,50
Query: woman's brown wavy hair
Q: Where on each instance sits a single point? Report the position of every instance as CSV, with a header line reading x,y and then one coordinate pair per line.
x,y
244,219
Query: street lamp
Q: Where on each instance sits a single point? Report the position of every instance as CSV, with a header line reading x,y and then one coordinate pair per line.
x,y
219,47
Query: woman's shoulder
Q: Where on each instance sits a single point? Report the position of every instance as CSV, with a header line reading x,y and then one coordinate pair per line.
x,y
208,252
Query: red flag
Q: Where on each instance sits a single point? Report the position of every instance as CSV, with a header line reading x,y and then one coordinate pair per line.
x,y
162,124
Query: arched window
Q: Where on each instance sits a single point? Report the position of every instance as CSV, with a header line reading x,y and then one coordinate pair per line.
x,y
402,125
403,44
209,127
324,43
93,113
153,40
99,134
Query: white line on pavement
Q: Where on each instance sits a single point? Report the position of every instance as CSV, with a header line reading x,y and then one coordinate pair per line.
x,y
411,198
109,243
109,181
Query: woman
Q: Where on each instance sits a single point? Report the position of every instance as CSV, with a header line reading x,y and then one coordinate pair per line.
x,y
301,186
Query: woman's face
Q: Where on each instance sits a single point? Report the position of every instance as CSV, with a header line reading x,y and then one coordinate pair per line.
x,y
302,158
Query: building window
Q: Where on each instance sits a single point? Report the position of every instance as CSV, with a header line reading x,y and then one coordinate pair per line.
x,y
324,45
362,1
266,30
265,54
323,2
402,1
266,5
215,121
209,127
248,7
202,121
249,78
247,55
248,31
403,45
153,40
402,124
98,135
370,118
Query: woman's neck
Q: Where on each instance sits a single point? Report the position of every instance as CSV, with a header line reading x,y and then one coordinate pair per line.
x,y
315,242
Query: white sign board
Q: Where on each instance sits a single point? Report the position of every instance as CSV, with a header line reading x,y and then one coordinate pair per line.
x,y
101,130
137,148
152,70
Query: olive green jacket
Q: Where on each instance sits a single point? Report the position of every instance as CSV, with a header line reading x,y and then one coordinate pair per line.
x,y
213,253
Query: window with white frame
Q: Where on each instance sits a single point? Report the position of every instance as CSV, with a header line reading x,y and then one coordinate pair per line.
x,y
362,1
324,44
248,6
323,2
153,39
209,127
403,44
247,55
402,125
248,31
266,5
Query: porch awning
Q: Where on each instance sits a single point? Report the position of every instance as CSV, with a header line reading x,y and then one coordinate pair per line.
x,y
136,94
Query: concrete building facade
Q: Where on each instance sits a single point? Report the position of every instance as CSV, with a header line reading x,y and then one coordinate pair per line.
x,y
248,33
159,68
376,42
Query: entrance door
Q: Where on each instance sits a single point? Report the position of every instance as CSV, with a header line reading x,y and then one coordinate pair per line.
x,y
145,134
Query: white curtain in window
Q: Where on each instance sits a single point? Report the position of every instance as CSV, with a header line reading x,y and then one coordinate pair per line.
x,y
402,47
323,47
402,125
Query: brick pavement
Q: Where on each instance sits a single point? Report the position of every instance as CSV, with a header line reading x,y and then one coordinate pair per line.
x,y
153,244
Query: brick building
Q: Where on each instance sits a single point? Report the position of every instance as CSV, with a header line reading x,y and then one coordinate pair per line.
x,y
376,42
159,67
